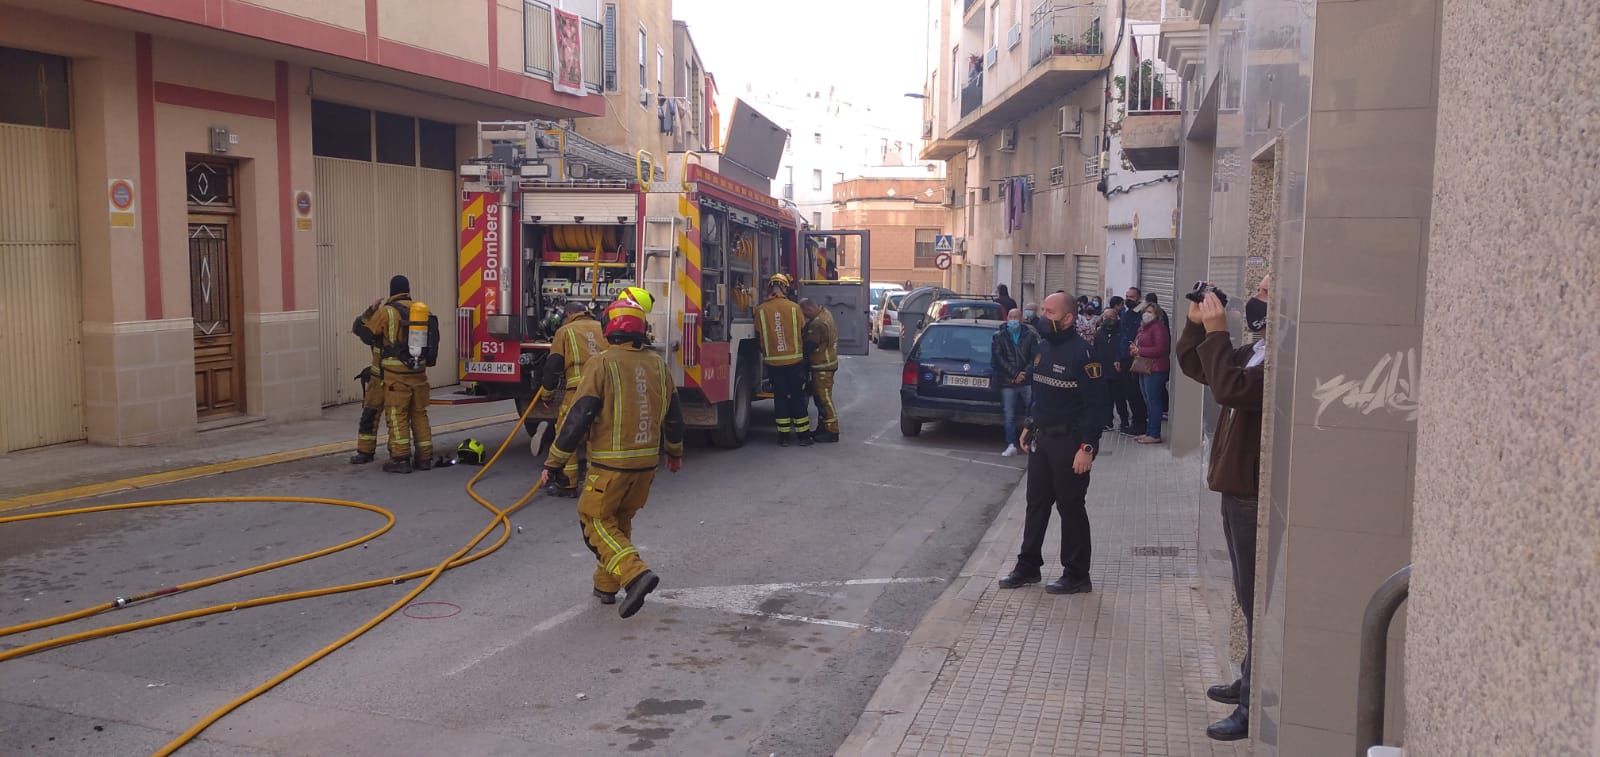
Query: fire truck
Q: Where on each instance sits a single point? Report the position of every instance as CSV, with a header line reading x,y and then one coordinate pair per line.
x,y
548,218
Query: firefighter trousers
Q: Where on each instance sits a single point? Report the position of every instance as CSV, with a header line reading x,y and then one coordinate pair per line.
x,y
371,409
606,508
568,399
405,407
822,392
789,399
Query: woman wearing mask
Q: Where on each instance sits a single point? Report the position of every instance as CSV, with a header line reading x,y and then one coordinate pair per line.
x,y
1011,352
1152,364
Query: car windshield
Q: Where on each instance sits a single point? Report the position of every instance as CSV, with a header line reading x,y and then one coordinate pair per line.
x,y
894,300
965,343
964,310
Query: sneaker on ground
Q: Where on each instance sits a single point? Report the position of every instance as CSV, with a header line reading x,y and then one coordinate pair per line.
x,y
1011,451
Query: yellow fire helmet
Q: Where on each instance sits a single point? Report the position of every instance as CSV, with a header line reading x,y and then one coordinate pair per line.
x,y
780,279
638,296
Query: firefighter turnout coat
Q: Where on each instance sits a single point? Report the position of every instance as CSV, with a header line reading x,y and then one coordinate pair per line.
x,y
779,320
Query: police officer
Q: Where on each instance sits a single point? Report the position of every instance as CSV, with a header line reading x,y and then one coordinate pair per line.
x,y
579,338
782,351
628,410
821,338
371,379
1064,426
405,388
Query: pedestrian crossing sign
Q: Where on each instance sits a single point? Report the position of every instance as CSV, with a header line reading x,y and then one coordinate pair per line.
x,y
944,243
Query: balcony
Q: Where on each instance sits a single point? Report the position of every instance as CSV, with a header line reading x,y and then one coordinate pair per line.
x,y
1153,117
972,95
1066,48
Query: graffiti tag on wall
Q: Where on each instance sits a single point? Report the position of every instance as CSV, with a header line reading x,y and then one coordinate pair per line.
x,y
1390,386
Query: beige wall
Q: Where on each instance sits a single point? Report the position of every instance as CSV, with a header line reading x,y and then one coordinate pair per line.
x,y
348,14
1505,600
628,126
453,27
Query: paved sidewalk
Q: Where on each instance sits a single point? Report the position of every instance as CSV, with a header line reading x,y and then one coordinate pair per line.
x,y
78,463
1021,672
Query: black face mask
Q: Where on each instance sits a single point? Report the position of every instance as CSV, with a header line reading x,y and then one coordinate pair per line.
x,y
1255,315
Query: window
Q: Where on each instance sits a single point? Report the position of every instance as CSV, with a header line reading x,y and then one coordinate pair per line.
x,y
661,61
924,253
816,137
396,138
609,48
644,45
816,219
838,177
955,77
816,179
36,89
340,131
438,144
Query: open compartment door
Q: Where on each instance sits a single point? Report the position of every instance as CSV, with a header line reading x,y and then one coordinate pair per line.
x,y
835,272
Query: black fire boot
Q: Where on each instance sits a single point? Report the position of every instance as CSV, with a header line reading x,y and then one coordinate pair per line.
x,y
606,597
826,437
362,458
783,438
1017,578
806,440
638,589
398,465
422,463
557,490
1064,585
1226,693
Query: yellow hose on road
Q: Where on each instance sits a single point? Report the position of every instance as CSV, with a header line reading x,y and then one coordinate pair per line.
x,y
429,575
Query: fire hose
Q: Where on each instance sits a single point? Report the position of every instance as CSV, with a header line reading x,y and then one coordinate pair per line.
x,y
460,557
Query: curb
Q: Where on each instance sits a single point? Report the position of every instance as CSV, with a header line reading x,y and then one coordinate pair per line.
x,y
900,695
213,469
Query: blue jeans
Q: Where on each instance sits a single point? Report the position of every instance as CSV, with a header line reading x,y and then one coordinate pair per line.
x,y
1011,398
1154,388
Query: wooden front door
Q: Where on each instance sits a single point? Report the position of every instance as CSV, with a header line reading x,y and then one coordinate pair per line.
x,y
214,291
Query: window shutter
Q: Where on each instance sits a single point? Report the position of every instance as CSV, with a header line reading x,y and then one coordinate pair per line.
x,y
609,48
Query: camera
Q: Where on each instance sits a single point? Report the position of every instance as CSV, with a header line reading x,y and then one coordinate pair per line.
x,y
1198,294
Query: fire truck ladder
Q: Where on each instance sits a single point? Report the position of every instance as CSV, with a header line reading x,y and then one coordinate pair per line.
x,y
658,274
543,139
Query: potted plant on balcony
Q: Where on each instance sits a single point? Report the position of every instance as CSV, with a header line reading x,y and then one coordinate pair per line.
x,y
1151,92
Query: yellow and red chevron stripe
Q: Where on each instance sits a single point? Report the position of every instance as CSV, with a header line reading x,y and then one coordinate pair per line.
x,y
470,264
689,282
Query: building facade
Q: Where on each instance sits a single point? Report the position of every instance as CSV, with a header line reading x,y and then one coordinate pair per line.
x,y
1359,153
903,216
206,193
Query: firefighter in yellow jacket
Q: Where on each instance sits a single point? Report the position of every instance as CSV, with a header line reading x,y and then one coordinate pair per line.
x,y
628,410
405,388
822,357
371,379
579,339
782,351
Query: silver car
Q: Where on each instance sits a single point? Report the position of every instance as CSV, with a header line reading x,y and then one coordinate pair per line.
x,y
886,318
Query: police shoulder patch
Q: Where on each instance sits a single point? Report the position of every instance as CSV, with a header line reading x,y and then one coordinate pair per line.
x,y
1092,370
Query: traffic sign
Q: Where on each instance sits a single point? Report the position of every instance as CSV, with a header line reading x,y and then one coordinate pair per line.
x,y
942,261
944,243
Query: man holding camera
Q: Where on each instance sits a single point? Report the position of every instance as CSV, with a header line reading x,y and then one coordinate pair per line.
x,y
1236,375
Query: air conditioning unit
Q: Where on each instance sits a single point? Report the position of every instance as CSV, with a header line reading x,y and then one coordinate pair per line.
x,y
949,197
1008,139
1057,176
1069,121
927,130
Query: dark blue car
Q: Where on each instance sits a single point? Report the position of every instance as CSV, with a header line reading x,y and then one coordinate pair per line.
x,y
948,376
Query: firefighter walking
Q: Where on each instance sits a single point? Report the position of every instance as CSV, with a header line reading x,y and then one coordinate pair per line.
x,y
579,339
371,379
627,409
405,383
782,351
821,339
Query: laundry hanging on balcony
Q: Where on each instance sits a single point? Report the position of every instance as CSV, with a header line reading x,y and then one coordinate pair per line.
x,y
1018,200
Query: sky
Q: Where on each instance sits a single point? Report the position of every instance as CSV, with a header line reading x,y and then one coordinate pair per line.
x,y
871,50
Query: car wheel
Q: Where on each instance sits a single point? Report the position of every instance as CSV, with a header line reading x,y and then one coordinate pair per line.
x,y
909,426
893,342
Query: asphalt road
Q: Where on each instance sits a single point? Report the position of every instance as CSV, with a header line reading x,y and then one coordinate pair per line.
x,y
790,580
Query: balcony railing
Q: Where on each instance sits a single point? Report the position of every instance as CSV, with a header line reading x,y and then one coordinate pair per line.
x,y
1064,31
1148,86
1172,11
972,95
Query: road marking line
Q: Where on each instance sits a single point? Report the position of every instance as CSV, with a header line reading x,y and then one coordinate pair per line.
x,y
214,469
869,483
746,599
544,625
943,455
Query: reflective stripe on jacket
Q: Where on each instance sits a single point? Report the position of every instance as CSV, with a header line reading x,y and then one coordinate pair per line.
x,y
822,342
779,321
385,324
578,340
628,409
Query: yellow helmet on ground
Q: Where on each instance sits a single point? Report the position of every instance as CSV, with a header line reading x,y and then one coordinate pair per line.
x,y
639,296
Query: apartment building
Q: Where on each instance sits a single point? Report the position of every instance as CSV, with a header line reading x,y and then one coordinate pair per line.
x,y
265,166
904,213
1396,179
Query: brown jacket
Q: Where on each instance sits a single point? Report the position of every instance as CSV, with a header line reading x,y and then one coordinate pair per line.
x,y
779,321
628,409
1211,359
821,337
579,339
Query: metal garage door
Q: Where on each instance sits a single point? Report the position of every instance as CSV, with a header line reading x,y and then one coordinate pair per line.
x,y
1055,274
1088,276
41,293
1029,280
376,220
1156,275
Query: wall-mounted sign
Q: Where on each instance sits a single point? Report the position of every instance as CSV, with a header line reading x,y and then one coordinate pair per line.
x,y
120,201
302,210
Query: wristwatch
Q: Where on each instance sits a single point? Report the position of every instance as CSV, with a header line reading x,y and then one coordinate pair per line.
x,y
1089,448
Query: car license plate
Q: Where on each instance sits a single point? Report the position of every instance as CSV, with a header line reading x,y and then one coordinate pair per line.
x,y
980,382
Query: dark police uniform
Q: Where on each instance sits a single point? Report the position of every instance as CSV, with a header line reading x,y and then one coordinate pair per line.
x,y
1069,398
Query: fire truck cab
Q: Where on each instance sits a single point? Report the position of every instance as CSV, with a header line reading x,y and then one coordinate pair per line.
x,y
549,218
